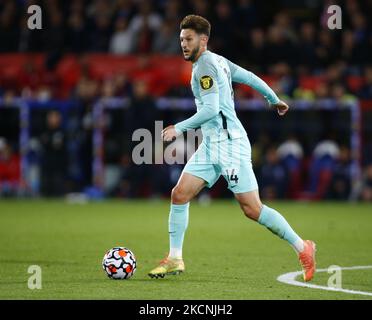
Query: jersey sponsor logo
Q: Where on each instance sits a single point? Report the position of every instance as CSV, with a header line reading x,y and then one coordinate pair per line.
x,y
206,82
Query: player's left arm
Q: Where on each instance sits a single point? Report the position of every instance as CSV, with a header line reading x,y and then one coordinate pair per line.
x,y
240,75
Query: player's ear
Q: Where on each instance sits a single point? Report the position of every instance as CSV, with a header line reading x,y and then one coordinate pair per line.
x,y
204,38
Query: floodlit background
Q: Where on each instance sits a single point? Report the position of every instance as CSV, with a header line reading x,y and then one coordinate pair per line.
x,y
62,133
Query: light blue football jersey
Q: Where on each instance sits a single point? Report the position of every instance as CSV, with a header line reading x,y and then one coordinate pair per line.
x,y
211,83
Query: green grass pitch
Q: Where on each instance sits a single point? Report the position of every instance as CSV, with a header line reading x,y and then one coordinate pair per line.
x,y
227,256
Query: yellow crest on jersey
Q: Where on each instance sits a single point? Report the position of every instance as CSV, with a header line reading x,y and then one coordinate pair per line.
x,y
206,82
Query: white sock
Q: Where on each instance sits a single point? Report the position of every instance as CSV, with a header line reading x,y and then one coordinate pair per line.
x,y
178,222
175,253
298,246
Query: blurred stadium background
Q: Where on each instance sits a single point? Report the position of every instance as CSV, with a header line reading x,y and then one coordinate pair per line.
x,y
72,93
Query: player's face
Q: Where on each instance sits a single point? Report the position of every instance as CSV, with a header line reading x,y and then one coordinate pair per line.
x,y
190,44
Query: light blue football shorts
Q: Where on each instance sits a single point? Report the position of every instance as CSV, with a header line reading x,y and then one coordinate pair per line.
x,y
230,158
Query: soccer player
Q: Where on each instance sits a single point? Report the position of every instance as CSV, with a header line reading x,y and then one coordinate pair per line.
x,y
225,149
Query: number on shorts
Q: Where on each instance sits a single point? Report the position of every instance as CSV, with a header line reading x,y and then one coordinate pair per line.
x,y
232,176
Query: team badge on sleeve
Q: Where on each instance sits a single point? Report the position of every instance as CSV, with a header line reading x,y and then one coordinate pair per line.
x,y
206,82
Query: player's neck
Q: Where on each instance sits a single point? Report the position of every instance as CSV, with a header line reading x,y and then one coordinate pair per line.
x,y
202,50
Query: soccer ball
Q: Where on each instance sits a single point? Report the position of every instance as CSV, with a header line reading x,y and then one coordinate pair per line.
x,y
119,263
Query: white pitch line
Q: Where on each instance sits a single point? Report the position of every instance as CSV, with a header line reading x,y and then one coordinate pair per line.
x,y
290,277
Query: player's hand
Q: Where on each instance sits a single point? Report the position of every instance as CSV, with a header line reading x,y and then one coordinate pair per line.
x,y
169,133
281,107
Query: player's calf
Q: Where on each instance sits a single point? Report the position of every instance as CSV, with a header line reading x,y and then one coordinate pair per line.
x,y
250,204
251,212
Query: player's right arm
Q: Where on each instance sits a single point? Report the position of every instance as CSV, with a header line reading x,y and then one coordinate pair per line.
x,y
209,110
241,75
206,77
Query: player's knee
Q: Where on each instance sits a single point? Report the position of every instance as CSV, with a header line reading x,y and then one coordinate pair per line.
x,y
251,212
179,195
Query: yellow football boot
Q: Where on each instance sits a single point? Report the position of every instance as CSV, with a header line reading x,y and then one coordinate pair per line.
x,y
168,266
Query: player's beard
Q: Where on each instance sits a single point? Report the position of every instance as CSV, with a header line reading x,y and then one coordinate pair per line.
x,y
193,54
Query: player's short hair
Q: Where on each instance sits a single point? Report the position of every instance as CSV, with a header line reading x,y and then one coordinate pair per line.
x,y
197,23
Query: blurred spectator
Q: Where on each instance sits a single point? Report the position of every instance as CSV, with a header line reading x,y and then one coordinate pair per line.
x,y
279,48
125,186
100,38
76,39
201,8
100,8
142,111
340,187
349,50
255,49
134,179
283,22
54,37
87,88
144,37
360,27
122,40
111,170
259,148
222,40
54,158
339,93
123,86
326,50
8,31
246,15
86,146
291,154
143,26
166,40
326,148
285,82
124,8
335,73
27,40
306,48
108,89
33,172
321,169
29,78
366,193
322,91
10,171
366,90
8,98
172,11
273,176
351,7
